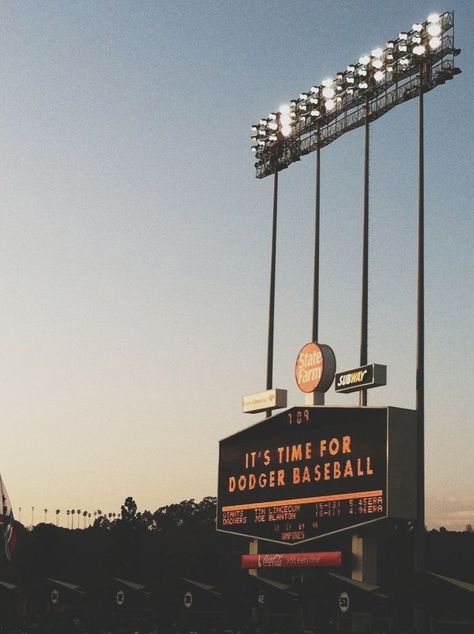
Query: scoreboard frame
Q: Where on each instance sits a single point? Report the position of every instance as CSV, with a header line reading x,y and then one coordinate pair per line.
x,y
297,459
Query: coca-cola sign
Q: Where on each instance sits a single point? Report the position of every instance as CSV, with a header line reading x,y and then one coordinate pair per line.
x,y
331,559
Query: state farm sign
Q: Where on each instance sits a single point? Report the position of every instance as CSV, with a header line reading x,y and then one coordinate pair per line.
x,y
315,367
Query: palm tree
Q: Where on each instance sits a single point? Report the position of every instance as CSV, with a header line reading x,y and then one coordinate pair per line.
x,y
57,516
32,515
84,514
68,513
45,515
72,518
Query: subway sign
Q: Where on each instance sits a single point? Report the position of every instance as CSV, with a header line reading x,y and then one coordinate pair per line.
x,y
308,472
362,378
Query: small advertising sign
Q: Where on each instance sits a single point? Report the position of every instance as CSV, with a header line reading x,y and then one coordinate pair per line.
x,y
295,560
262,401
364,377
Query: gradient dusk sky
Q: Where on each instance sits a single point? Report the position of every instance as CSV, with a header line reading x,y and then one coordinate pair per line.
x,y
135,241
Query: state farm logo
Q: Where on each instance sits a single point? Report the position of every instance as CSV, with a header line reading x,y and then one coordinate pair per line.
x,y
270,561
315,367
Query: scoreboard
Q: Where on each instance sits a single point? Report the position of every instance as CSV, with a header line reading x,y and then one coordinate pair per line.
x,y
311,471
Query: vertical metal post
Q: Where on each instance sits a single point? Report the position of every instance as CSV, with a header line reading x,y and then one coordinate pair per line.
x,y
271,314
365,257
316,243
420,554
420,614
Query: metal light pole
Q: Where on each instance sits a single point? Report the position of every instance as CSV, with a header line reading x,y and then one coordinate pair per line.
x,y
317,243
365,256
271,312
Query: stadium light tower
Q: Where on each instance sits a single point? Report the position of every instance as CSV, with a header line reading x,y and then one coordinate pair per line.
x,y
410,65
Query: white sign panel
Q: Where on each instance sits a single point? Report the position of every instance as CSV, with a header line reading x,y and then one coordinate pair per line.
x,y
271,399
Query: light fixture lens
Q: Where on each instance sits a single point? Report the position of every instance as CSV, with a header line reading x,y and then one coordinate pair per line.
x,y
365,59
434,29
404,61
379,75
285,109
328,92
435,42
403,36
315,113
327,82
433,18
377,63
417,28
377,52
419,49
363,85
330,104
286,130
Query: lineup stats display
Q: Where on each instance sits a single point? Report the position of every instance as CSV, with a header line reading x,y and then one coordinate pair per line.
x,y
311,471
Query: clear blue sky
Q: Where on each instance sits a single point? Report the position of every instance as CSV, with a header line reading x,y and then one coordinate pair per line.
x,y
135,239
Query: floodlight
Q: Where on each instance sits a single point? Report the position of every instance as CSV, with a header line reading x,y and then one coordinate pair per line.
x,y
379,75
365,59
403,36
377,63
435,42
364,85
327,82
285,109
419,49
330,104
434,29
315,113
433,18
328,92
377,52
417,28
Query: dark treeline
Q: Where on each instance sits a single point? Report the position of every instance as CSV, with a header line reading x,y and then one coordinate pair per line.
x,y
175,540
146,546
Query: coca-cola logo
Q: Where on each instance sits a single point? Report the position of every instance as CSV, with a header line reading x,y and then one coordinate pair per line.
x,y
270,561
